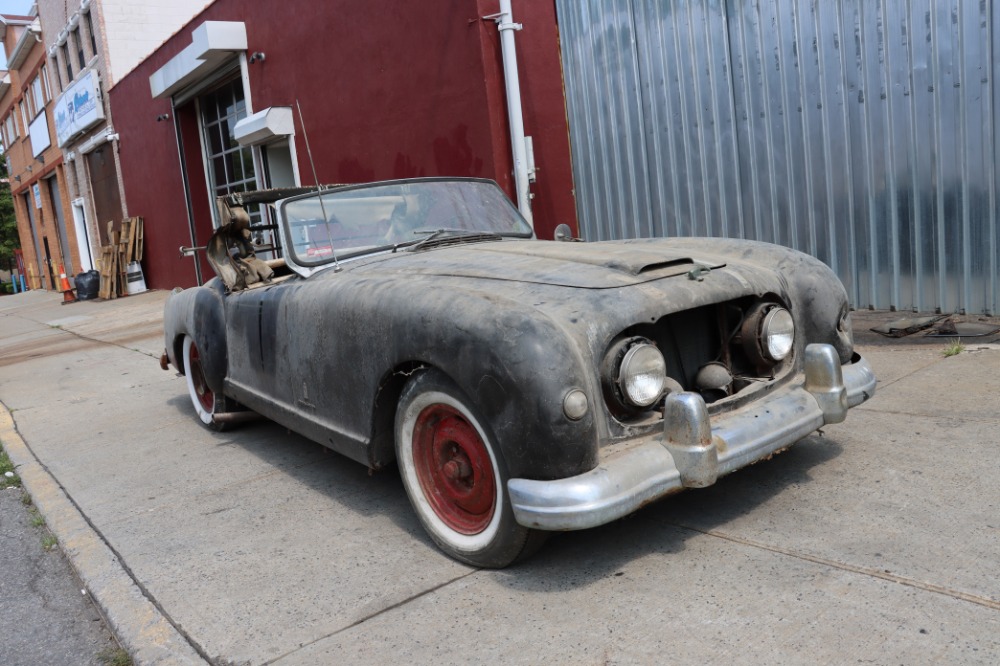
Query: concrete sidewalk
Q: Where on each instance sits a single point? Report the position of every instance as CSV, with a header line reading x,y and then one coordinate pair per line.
x,y
876,542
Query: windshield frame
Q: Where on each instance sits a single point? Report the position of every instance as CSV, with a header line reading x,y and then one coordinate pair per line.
x,y
305,265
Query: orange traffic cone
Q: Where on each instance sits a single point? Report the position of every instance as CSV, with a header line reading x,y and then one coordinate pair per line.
x,y
67,291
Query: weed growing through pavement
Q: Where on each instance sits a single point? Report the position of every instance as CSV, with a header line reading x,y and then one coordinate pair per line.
x,y
49,539
114,657
37,520
954,348
8,479
8,475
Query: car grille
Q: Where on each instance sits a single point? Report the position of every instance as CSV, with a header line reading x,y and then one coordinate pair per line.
x,y
703,336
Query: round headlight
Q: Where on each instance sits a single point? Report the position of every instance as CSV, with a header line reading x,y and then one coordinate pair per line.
x,y
642,375
777,334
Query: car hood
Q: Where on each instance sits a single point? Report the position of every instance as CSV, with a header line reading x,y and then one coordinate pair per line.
x,y
583,265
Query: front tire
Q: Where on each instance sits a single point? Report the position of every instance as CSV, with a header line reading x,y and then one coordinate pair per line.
x,y
456,477
207,403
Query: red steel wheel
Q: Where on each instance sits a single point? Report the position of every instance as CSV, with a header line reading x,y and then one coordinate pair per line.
x,y
204,394
455,475
207,403
454,469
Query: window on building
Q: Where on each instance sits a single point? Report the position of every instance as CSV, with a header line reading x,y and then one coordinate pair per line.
x,y
46,86
67,64
37,96
89,18
78,47
230,165
59,81
10,127
53,66
25,120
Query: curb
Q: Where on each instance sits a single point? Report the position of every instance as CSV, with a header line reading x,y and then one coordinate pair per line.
x,y
138,624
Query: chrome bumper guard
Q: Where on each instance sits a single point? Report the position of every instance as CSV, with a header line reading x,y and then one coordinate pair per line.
x,y
694,449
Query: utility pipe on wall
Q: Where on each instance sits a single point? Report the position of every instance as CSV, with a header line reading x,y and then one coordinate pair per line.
x,y
507,27
179,136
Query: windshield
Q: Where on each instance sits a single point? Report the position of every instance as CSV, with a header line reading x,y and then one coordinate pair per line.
x,y
368,218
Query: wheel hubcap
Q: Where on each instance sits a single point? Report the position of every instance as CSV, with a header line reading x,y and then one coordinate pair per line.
x,y
454,469
205,395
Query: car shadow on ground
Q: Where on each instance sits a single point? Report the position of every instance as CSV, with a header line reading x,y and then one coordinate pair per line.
x,y
663,528
344,481
568,559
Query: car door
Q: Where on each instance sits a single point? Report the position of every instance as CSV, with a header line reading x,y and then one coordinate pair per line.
x,y
254,343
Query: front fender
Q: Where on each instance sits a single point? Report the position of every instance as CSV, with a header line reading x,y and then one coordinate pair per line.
x,y
509,358
518,365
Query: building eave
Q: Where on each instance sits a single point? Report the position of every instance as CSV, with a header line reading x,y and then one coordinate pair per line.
x,y
23,46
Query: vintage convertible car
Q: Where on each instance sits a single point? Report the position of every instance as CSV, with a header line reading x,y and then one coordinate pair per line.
x,y
522,386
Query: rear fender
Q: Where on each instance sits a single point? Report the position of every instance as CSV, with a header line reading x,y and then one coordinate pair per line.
x,y
199,313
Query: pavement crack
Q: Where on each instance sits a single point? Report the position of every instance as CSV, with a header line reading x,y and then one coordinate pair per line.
x,y
86,338
374,615
930,416
853,568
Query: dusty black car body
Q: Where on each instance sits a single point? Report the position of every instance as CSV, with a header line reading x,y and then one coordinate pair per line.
x,y
516,324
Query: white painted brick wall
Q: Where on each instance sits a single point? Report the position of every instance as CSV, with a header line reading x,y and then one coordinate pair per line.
x,y
133,29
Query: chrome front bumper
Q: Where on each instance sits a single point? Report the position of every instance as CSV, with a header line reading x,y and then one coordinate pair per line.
x,y
694,449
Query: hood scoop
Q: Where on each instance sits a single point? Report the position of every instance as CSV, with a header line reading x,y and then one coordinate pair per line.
x,y
653,267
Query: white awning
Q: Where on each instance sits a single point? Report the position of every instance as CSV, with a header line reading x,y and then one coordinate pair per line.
x,y
212,43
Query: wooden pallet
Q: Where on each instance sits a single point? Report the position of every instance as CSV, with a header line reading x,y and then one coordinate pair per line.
x,y
34,281
108,266
125,247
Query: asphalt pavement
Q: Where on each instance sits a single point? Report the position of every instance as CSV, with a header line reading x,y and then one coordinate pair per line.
x,y
44,617
874,542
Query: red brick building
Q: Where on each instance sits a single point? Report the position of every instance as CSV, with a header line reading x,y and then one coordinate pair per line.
x,y
49,238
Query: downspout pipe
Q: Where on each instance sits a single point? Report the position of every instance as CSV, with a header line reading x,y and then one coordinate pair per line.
x,y
186,183
507,27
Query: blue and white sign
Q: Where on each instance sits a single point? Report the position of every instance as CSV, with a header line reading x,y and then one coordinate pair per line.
x,y
78,109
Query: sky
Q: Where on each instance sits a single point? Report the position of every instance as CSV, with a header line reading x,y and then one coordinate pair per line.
x,y
19,7
15,6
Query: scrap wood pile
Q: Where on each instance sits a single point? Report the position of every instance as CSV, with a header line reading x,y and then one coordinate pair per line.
x,y
125,247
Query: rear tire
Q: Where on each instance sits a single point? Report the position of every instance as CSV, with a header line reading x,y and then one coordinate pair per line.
x,y
207,403
456,477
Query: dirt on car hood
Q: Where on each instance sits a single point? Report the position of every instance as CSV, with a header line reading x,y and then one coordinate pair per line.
x,y
583,265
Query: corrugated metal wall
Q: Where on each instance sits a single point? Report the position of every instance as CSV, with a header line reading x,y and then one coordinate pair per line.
x,y
860,131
